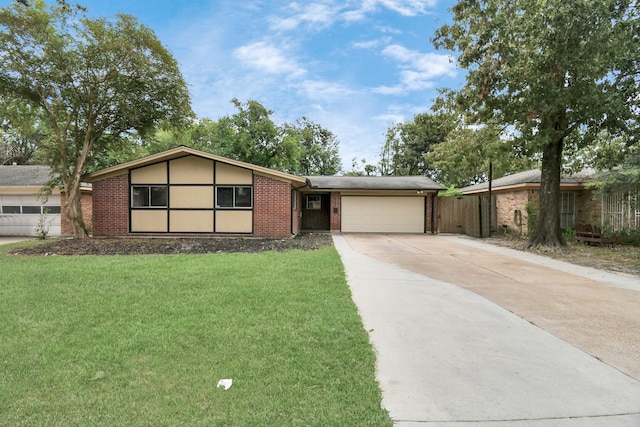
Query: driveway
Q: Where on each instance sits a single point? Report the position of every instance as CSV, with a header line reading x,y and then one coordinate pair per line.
x,y
5,240
472,334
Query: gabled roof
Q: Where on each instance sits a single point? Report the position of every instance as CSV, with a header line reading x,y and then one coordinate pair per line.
x,y
182,151
527,178
372,183
24,176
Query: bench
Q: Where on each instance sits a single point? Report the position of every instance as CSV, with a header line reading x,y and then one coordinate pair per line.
x,y
595,237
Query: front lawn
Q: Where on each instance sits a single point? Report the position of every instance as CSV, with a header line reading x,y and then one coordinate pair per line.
x,y
144,339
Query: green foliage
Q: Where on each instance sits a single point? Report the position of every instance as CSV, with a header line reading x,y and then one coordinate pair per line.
x,y
625,179
465,156
251,136
532,215
143,340
451,191
318,148
551,69
569,234
407,144
22,130
96,80
628,237
43,225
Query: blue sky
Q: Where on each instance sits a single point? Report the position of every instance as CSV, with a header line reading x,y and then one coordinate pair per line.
x,y
353,66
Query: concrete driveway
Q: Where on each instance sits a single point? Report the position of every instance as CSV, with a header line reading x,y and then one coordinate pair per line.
x,y
472,334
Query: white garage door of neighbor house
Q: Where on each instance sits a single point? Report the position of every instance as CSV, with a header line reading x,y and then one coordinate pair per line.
x,y
365,214
21,215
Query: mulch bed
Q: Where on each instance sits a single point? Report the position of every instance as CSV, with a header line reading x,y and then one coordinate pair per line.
x,y
139,246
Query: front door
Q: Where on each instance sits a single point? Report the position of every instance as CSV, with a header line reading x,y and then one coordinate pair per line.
x,y
315,212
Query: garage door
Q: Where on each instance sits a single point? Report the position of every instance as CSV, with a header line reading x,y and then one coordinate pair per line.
x,y
21,214
362,214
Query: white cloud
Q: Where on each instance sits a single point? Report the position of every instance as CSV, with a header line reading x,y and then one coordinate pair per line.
x,y
323,90
403,7
316,15
418,69
269,59
371,43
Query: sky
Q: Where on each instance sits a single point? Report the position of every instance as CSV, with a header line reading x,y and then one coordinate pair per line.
x,y
355,67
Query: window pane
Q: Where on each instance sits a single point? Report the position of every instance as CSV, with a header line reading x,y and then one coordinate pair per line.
x,y
139,197
314,202
52,209
11,209
224,197
243,197
159,196
31,210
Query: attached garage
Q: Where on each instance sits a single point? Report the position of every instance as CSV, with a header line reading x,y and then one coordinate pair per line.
x,y
371,204
381,214
21,210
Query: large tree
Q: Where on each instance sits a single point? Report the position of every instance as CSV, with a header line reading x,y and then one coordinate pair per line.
x,y
97,80
318,148
407,143
550,69
468,154
22,131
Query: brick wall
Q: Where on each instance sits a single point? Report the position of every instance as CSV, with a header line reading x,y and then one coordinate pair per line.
x,y
296,219
86,203
272,207
111,206
588,209
507,203
334,211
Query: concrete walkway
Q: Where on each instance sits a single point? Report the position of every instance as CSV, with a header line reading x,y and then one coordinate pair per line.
x,y
448,356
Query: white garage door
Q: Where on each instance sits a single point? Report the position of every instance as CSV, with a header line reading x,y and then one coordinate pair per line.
x,y
362,214
20,215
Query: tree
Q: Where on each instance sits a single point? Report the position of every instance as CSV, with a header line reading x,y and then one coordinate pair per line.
x,y
22,131
96,80
318,148
407,144
464,158
550,69
256,139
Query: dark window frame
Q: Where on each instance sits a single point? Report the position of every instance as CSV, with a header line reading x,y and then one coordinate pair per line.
x,y
238,201
149,196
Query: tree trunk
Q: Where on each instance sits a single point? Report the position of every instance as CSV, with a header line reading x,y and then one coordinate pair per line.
x,y
547,232
73,208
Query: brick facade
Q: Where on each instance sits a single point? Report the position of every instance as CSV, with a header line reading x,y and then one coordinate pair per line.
x,y
111,206
508,203
335,211
511,214
272,207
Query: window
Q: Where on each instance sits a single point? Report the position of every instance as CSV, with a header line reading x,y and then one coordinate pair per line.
x,y
149,196
567,209
31,210
238,197
314,202
10,209
294,199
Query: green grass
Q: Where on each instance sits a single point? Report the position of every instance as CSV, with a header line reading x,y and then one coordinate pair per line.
x,y
143,340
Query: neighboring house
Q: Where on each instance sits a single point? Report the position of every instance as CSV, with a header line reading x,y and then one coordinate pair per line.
x,y
515,198
22,210
186,192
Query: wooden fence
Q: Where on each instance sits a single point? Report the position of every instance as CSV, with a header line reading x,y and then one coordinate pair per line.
x,y
466,215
